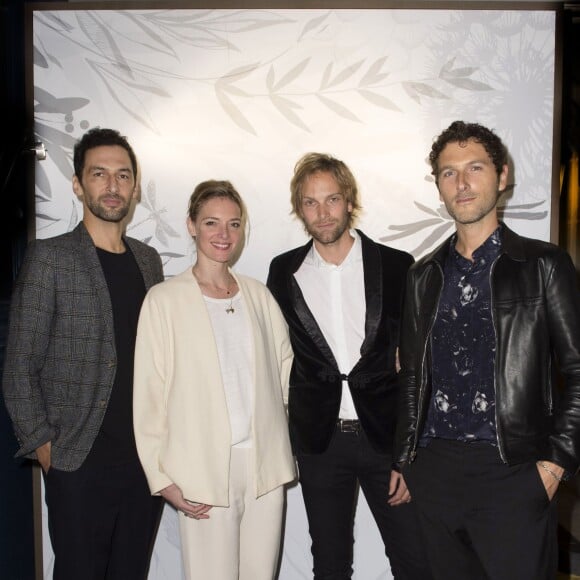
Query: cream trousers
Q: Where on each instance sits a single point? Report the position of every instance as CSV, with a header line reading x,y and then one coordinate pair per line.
x,y
240,542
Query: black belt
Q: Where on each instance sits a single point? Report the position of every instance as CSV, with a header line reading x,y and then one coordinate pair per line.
x,y
348,425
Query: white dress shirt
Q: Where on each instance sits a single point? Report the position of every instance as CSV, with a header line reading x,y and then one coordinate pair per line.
x,y
335,294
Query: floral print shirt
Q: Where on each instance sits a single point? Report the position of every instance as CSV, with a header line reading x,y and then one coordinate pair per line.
x,y
463,346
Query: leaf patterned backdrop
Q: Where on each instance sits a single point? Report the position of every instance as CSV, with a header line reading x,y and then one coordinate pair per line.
x,y
242,94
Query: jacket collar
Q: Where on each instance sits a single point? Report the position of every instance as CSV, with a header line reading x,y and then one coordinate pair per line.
x,y
511,244
144,261
299,256
373,275
88,251
373,286
302,251
87,247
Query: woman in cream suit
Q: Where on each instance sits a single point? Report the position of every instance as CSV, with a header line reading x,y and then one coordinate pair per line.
x,y
211,372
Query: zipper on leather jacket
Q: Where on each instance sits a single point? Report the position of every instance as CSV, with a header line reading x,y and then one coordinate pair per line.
x,y
548,389
491,307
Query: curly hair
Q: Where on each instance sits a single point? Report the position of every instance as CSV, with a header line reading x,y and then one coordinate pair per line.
x,y
461,132
312,163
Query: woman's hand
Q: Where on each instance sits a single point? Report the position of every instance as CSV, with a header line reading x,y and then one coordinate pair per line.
x,y
173,495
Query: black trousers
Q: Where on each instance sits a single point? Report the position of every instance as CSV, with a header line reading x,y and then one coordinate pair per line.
x,y
102,522
481,518
329,484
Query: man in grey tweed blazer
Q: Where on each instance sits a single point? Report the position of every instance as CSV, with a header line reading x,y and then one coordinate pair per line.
x,y
69,371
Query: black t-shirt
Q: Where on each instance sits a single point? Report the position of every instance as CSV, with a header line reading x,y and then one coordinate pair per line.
x,y
115,442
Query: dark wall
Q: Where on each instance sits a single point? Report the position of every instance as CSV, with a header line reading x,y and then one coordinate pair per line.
x,y
16,514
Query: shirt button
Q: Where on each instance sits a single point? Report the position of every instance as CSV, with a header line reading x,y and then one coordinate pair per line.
x,y
102,403
111,364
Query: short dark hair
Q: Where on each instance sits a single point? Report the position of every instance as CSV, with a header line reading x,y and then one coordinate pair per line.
x,y
98,137
211,189
313,163
461,132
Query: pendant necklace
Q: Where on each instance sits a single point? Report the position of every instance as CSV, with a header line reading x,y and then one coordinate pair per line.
x,y
230,308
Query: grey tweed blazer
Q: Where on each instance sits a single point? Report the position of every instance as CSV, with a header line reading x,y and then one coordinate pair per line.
x,y
60,356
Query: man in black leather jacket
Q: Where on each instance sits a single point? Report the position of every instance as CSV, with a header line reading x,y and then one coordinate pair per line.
x,y
484,435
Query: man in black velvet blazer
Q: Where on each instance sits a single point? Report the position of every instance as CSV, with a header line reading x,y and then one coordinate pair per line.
x,y
341,295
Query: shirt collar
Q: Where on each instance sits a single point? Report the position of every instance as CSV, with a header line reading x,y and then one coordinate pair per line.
x,y
482,256
354,255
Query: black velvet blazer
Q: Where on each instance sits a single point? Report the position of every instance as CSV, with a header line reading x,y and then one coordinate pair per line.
x,y
315,381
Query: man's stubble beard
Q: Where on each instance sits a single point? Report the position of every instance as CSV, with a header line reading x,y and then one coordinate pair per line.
x,y
114,215
329,236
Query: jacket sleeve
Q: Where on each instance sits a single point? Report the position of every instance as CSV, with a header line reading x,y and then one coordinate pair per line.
x,y
283,346
29,333
563,307
149,392
407,377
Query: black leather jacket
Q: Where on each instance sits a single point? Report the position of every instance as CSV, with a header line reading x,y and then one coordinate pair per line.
x,y
536,318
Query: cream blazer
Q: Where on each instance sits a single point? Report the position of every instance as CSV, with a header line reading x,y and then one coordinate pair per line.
x,y
180,415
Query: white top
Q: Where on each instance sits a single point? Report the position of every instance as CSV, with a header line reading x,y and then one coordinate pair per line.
x,y
336,297
234,346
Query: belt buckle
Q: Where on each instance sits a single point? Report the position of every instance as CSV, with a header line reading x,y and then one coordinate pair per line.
x,y
348,426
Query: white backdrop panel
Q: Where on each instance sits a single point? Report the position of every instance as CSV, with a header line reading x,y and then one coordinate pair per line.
x,y
242,94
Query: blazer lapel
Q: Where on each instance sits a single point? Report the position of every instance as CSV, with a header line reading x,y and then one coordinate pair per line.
x,y
373,280
86,248
144,262
301,308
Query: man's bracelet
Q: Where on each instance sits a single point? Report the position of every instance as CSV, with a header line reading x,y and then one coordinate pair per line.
x,y
550,471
